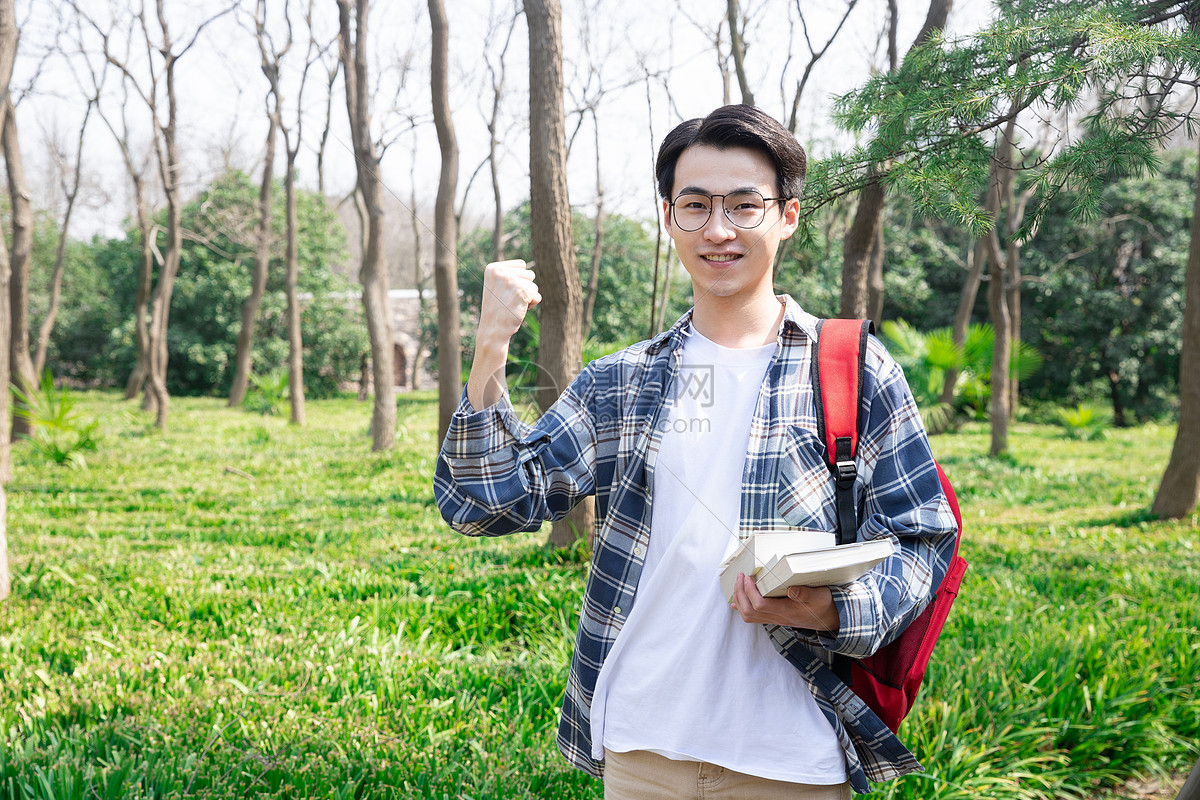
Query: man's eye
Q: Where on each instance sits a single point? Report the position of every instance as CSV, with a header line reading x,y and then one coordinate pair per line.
x,y
744,203
695,205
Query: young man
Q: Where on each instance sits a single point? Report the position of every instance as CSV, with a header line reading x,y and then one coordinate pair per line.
x,y
690,442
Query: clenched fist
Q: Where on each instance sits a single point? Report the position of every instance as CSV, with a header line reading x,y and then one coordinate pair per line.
x,y
508,293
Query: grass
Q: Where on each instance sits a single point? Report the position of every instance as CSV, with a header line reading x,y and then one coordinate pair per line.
x,y
240,608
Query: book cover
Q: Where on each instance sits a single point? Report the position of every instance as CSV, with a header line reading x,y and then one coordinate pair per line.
x,y
761,549
832,566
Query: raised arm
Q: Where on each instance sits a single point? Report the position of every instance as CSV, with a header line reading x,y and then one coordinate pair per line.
x,y
509,292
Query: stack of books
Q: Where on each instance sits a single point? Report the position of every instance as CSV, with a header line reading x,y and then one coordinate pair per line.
x,y
800,558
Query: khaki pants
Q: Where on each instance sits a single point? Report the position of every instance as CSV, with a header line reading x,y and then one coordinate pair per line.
x,y
641,775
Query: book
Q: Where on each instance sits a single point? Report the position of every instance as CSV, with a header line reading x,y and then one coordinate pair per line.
x,y
760,549
825,566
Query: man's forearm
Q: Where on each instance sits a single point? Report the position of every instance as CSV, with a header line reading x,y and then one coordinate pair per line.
x,y
486,384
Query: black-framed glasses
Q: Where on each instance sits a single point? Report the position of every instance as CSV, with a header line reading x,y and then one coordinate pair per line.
x,y
747,209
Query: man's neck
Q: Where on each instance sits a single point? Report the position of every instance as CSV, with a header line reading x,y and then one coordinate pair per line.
x,y
739,322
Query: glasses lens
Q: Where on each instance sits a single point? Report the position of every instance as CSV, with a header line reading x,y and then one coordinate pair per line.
x,y
692,211
745,209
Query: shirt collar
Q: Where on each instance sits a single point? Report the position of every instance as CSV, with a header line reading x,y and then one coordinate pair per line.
x,y
795,321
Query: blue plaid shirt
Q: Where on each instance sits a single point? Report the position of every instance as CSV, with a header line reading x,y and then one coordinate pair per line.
x,y
497,475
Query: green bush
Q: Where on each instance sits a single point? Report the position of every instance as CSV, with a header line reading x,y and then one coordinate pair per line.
x,y
61,433
1086,421
94,341
268,393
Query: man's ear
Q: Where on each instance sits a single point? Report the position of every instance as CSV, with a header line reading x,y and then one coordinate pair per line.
x,y
790,218
666,209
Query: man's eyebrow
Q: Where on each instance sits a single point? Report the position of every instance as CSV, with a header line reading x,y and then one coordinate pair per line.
x,y
706,192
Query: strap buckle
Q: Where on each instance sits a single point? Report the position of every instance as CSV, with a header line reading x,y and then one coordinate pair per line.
x,y
846,472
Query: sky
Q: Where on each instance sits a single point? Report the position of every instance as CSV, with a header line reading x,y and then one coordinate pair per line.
x,y
655,61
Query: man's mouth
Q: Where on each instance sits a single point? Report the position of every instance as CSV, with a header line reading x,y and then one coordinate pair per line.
x,y
721,258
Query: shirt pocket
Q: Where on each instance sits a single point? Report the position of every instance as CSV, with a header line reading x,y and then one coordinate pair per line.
x,y
804,495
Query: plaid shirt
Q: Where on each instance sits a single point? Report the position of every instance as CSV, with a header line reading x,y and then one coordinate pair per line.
x,y
498,475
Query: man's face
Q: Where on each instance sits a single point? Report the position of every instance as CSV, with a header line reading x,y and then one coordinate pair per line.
x,y
724,260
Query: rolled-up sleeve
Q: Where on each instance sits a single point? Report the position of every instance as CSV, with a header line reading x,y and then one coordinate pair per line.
x,y
497,475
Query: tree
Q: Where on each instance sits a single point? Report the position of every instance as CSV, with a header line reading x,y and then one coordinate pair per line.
x,y
737,47
560,350
445,227
1180,487
292,136
164,54
863,244
70,190
8,55
814,56
1121,60
271,57
497,80
137,171
352,51
1106,303
23,376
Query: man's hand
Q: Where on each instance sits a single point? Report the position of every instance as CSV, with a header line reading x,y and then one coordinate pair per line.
x,y
508,293
808,607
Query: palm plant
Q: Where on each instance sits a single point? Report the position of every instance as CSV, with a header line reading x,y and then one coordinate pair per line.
x,y
61,433
925,358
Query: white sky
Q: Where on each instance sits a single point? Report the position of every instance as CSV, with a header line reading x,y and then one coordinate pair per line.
x,y
221,92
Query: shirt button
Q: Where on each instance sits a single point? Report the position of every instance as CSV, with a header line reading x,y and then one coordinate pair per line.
x,y
637,551
617,610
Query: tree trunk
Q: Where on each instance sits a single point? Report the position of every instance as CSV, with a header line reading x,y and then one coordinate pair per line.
x,y
559,351
666,288
141,307
20,363
355,68
856,250
292,287
589,295
976,259
875,281
169,166
1014,312
262,263
156,377
1001,355
445,261
8,54
1191,787
868,217
998,289
419,279
60,256
1180,487
738,48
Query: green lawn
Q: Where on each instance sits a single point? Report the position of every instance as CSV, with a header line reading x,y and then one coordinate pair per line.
x,y
238,607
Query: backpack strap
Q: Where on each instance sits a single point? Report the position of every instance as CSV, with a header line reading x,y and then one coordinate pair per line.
x,y
837,376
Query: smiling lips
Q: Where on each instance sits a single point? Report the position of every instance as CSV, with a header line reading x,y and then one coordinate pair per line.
x,y
722,258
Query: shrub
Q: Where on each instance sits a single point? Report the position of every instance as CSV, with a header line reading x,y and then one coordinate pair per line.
x,y
1086,421
268,393
61,434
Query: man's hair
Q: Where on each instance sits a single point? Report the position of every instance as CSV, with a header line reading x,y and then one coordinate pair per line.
x,y
736,126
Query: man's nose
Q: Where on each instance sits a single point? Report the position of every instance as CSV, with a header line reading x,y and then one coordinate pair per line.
x,y
719,228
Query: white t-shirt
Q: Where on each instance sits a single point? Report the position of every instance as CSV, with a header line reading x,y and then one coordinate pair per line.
x,y
688,678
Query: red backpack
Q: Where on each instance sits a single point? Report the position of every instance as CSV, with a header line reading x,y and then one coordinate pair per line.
x,y
889,680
